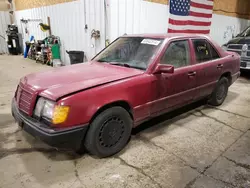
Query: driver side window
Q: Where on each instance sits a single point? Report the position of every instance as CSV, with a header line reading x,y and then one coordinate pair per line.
x,y
177,54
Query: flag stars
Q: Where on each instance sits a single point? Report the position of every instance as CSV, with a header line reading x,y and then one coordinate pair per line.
x,y
179,7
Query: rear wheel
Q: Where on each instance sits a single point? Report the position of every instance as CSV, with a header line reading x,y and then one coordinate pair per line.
x,y
109,132
220,92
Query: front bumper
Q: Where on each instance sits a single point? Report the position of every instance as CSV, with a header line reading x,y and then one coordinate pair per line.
x,y
70,138
245,63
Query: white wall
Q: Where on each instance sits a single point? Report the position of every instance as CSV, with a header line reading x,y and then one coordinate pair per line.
x,y
224,27
138,16
67,22
4,22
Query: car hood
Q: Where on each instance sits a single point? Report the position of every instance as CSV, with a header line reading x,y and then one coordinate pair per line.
x,y
240,40
62,81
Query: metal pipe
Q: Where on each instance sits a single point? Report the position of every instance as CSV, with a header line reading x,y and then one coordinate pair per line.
x,y
105,22
85,14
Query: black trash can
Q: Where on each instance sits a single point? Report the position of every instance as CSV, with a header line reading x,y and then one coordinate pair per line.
x,y
75,57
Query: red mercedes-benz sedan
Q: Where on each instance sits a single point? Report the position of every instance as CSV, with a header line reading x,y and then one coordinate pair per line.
x,y
95,105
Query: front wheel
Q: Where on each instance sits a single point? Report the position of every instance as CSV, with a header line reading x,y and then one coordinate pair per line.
x,y
109,132
220,92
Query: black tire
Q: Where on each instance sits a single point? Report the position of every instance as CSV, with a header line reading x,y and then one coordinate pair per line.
x,y
109,132
220,92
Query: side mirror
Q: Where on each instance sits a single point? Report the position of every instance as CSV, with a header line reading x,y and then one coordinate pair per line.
x,y
164,69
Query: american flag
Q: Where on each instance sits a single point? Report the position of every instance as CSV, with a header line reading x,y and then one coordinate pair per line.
x,y
190,16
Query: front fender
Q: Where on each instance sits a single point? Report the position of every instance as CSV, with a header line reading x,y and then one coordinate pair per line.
x,y
83,105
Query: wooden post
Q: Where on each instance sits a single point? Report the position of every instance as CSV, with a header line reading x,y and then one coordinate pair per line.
x,y
49,25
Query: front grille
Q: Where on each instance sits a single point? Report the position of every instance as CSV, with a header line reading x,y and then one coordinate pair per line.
x,y
235,46
24,100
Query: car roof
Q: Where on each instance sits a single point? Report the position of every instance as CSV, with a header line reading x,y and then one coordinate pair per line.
x,y
167,35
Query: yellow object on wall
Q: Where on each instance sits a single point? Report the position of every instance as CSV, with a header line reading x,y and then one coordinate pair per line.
x,y
28,4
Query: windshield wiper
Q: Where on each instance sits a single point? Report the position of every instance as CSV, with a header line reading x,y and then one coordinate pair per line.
x,y
127,65
101,60
121,64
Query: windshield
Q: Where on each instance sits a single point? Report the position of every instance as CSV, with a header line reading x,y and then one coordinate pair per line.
x,y
244,33
133,52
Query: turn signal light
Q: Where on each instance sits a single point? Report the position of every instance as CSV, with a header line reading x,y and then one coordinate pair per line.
x,y
60,114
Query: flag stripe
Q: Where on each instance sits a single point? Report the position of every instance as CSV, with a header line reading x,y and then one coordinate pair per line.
x,y
189,31
193,18
189,22
205,2
201,10
199,5
187,27
197,14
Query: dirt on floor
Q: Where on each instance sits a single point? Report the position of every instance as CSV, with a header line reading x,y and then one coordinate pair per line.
x,y
196,146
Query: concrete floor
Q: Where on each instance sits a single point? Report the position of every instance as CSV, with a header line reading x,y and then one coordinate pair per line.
x,y
197,146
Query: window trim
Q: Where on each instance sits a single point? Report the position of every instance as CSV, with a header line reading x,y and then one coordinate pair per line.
x,y
215,49
211,45
189,51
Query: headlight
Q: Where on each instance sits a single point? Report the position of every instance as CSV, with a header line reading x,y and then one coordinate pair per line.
x,y
50,111
244,47
39,107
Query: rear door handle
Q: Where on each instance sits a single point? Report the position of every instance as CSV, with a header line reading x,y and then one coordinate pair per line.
x,y
191,74
219,66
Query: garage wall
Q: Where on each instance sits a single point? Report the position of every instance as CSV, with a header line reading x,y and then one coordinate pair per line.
x,y
67,22
4,22
28,4
224,27
139,16
233,8
124,16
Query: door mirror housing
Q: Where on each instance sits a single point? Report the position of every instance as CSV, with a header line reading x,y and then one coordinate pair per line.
x,y
164,69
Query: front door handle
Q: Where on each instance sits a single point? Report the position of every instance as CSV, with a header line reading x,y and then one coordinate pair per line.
x,y
191,73
219,66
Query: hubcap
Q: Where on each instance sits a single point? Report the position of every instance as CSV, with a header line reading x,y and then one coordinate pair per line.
x,y
221,92
111,132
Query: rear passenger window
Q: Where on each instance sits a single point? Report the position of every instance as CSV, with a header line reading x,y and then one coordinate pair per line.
x,y
204,51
